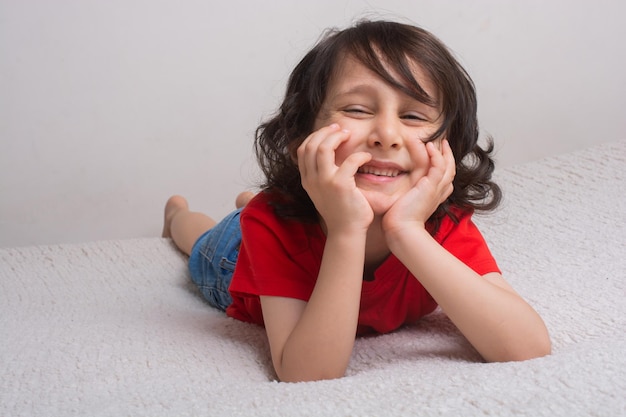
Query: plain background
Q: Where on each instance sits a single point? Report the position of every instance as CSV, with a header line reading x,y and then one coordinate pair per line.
x,y
109,107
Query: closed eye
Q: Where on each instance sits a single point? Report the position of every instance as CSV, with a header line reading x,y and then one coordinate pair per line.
x,y
357,112
414,117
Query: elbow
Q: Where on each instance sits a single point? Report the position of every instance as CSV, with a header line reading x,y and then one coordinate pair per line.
x,y
534,349
301,375
309,377
534,352
523,343
540,349
311,369
537,347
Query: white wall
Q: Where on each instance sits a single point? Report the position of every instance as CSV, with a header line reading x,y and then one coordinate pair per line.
x,y
108,107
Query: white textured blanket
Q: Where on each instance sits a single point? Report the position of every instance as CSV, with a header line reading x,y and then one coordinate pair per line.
x,y
114,328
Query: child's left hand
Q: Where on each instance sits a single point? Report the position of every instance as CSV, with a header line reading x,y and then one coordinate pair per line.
x,y
430,190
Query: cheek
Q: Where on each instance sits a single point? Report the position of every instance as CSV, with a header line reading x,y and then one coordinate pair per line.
x,y
319,123
341,153
324,118
352,145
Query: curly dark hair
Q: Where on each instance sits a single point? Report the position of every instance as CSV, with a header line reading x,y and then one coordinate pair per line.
x,y
378,45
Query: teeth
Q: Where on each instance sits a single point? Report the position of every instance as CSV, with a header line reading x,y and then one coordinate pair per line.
x,y
379,172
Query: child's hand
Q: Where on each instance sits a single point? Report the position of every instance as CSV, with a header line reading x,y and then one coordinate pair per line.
x,y
429,191
332,188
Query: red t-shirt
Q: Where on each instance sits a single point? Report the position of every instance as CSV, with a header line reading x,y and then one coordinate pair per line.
x,y
280,257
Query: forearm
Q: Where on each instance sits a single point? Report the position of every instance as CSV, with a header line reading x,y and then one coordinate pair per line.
x,y
320,345
496,320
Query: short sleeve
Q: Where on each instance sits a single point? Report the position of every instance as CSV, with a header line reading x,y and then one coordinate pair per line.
x,y
465,242
277,257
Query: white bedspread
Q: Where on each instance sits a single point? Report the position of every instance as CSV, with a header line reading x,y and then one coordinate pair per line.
x,y
114,328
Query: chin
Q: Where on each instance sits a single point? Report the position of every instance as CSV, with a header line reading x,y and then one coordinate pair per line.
x,y
380,203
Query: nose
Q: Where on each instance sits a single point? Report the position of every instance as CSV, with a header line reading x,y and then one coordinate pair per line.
x,y
386,133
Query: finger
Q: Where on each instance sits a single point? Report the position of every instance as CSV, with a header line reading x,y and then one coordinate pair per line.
x,y
437,161
417,152
351,164
434,152
449,171
308,150
448,156
442,169
326,153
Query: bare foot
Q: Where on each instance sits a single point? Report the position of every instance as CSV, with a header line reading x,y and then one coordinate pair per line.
x,y
243,198
172,206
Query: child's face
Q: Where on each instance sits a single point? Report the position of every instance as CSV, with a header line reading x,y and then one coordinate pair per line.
x,y
384,122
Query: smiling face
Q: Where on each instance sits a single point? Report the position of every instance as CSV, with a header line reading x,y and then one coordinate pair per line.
x,y
383,121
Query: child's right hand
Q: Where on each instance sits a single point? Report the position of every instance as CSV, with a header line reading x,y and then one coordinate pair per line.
x,y
333,188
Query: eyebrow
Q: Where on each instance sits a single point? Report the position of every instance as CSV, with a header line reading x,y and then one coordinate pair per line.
x,y
357,89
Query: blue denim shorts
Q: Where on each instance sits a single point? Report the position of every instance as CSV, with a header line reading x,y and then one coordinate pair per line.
x,y
213,258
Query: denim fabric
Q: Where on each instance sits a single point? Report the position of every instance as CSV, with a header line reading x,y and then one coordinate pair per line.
x,y
213,258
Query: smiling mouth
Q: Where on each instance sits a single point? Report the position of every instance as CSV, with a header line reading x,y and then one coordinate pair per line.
x,y
380,172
